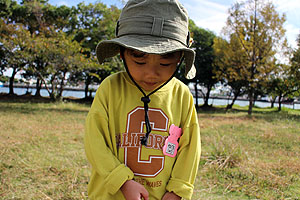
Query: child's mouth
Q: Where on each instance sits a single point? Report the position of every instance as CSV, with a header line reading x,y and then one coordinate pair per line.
x,y
150,83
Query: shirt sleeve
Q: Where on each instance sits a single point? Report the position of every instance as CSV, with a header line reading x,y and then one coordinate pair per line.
x,y
186,166
101,150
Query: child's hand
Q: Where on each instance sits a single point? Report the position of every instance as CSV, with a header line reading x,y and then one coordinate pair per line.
x,y
171,196
134,191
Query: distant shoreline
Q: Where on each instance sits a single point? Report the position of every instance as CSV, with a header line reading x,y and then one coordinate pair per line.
x,y
81,89
43,87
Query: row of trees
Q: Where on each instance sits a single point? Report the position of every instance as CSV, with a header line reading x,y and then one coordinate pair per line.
x,y
252,56
56,46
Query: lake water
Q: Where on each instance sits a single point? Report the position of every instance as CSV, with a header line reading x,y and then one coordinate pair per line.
x,y
260,104
44,93
214,102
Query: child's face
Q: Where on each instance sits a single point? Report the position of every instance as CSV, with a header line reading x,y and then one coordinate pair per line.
x,y
151,70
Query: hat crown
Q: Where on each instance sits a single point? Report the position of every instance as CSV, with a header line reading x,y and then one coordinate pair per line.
x,y
154,27
162,18
166,9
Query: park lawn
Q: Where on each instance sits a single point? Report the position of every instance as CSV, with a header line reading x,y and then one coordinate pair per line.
x,y
257,157
244,157
41,151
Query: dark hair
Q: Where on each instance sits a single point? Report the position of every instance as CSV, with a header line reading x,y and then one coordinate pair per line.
x,y
122,49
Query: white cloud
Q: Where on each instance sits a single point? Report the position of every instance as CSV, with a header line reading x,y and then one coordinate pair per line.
x,y
291,9
211,15
207,14
292,33
60,3
287,5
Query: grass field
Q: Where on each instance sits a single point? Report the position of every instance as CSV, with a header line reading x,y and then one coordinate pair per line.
x,y
257,157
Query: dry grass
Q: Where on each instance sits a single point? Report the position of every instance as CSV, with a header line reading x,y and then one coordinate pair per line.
x,y
42,156
41,150
246,157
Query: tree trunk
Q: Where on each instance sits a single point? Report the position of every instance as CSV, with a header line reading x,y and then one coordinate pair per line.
x,y
62,85
279,102
11,81
250,102
38,87
206,98
52,92
196,96
229,106
86,89
273,102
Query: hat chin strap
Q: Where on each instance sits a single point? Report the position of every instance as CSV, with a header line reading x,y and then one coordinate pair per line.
x,y
146,98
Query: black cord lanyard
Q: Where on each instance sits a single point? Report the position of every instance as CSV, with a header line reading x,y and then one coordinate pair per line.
x,y
146,98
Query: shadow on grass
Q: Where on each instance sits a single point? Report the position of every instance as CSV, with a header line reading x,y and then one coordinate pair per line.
x,y
27,104
28,98
267,114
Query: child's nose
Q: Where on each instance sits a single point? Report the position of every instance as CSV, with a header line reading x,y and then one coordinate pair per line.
x,y
152,69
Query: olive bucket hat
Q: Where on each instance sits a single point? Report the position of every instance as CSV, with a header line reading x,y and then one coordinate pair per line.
x,y
154,27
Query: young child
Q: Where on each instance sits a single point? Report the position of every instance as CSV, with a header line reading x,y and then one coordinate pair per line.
x,y
142,135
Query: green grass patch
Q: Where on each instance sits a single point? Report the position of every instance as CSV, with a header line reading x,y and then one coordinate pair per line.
x,y
41,151
249,157
257,157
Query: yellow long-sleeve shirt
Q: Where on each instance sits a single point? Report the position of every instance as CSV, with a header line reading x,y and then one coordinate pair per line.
x,y
114,126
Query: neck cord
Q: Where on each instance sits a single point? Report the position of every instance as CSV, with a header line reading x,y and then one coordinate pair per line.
x,y
146,98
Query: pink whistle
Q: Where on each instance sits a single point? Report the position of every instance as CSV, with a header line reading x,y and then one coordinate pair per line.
x,y
171,143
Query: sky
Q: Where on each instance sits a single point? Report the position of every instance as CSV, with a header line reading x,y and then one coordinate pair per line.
x,y
212,14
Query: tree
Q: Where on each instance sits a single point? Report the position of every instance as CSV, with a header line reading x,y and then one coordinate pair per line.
x,y
284,85
205,76
259,30
6,7
61,18
15,41
285,81
39,16
230,59
295,66
39,64
295,61
95,22
94,75
59,55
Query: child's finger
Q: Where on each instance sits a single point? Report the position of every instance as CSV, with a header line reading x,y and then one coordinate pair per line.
x,y
145,194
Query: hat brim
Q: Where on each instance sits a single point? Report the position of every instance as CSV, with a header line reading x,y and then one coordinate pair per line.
x,y
148,44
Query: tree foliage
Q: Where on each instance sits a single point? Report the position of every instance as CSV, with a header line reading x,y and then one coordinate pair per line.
x,y
230,59
55,45
257,30
14,44
295,60
95,22
59,56
295,68
205,76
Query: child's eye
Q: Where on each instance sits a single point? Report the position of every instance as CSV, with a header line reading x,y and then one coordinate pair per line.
x,y
140,63
165,65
